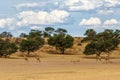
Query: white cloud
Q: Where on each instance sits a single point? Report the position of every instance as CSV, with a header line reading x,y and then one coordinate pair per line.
x,y
6,22
91,22
95,22
81,4
36,27
28,5
111,22
42,17
2,23
111,3
105,11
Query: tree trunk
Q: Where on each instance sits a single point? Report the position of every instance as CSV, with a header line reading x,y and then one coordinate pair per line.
x,y
108,55
62,50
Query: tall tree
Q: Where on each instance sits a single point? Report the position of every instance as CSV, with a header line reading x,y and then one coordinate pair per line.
x,y
7,48
105,41
61,41
29,46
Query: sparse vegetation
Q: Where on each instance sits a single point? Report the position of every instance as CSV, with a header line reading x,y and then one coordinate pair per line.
x,y
61,41
97,43
7,48
102,42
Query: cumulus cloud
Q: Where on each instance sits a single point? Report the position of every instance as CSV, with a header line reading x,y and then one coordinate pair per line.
x,y
111,3
111,22
27,5
41,5
7,22
85,5
95,22
42,17
74,5
36,27
35,19
92,21
105,11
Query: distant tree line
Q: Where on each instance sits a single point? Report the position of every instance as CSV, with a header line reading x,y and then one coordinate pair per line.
x,y
35,40
98,43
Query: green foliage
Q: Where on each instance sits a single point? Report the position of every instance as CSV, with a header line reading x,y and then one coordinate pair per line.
x,y
23,35
61,41
61,31
34,33
90,35
7,48
103,42
29,46
40,41
6,34
48,31
91,48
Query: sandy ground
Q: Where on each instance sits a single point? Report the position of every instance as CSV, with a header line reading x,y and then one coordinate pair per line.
x,y
59,67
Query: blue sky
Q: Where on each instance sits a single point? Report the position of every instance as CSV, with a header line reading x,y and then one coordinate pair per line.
x,y
20,16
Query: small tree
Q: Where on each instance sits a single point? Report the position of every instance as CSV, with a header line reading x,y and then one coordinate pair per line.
x,y
29,46
7,48
103,42
61,41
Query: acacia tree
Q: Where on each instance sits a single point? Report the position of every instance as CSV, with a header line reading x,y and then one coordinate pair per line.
x,y
90,35
36,35
29,46
103,42
61,41
34,42
7,48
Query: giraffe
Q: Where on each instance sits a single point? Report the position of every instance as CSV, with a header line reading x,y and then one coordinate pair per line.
x,y
107,58
98,57
26,59
75,61
37,59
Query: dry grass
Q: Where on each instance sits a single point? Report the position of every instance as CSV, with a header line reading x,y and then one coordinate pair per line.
x,y
73,65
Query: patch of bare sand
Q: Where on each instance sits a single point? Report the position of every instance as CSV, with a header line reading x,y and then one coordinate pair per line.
x,y
59,67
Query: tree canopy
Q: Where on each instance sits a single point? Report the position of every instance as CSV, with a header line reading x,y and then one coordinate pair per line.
x,y
61,41
7,48
6,34
105,41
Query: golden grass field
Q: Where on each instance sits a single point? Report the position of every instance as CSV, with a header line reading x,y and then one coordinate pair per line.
x,y
73,65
